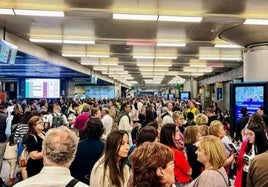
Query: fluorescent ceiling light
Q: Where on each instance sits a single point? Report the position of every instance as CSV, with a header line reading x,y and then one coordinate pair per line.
x,y
166,57
191,74
146,65
209,58
100,68
6,11
203,65
256,22
163,65
226,46
172,73
98,56
136,17
180,18
231,58
78,41
39,13
73,55
161,44
90,63
220,58
143,57
194,70
43,40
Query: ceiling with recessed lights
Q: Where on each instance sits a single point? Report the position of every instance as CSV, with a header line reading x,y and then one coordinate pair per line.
x,y
140,41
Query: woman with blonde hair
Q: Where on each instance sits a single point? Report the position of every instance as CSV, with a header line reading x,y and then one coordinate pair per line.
x,y
192,136
216,128
201,119
211,153
152,165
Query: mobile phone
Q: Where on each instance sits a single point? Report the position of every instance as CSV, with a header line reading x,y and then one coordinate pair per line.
x,y
233,148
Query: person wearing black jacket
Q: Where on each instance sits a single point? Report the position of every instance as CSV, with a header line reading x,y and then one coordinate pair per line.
x,y
241,123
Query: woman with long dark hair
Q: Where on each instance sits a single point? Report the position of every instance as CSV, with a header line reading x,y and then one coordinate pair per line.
x,y
169,136
256,143
111,169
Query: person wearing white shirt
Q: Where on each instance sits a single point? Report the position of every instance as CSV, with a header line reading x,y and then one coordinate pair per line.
x,y
107,122
59,149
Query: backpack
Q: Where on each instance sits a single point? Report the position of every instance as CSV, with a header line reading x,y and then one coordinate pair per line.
x,y
57,120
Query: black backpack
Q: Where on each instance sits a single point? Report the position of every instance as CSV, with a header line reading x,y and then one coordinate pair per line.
x,y
57,120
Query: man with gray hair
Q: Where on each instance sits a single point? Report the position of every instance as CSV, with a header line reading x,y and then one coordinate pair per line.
x,y
59,149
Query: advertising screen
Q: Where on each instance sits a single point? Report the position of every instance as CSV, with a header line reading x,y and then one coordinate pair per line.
x,y
42,88
250,95
185,96
8,52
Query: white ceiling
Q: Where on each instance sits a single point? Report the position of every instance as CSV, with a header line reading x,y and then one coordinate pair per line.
x,y
122,40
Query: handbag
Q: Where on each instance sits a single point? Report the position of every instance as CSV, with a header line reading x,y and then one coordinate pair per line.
x,y
23,158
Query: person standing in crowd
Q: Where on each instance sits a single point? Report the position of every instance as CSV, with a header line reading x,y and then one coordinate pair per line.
x,y
111,169
256,143
178,119
3,139
145,134
34,146
149,117
217,110
80,122
192,136
124,122
201,119
107,122
216,128
152,165
57,113
241,123
170,137
258,171
261,111
88,152
59,148
72,114
211,115
11,156
17,114
34,104
211,153
192,108
113,112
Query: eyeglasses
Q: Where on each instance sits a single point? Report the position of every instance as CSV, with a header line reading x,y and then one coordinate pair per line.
x,y
40,122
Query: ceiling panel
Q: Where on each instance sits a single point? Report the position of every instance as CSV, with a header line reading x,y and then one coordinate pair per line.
x,y
222,22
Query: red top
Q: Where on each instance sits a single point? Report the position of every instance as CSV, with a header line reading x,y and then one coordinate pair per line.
x,y
240,165
182,166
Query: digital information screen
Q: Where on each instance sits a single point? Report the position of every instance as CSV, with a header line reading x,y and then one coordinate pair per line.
x,y
42,88
251,97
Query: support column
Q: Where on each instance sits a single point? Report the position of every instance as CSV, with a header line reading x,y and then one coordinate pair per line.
x,y
255,63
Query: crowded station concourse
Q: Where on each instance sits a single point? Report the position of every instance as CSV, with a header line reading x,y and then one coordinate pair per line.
x,y
104,149
119,76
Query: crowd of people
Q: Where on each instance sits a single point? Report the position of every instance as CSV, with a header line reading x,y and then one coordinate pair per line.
x,y
135,141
